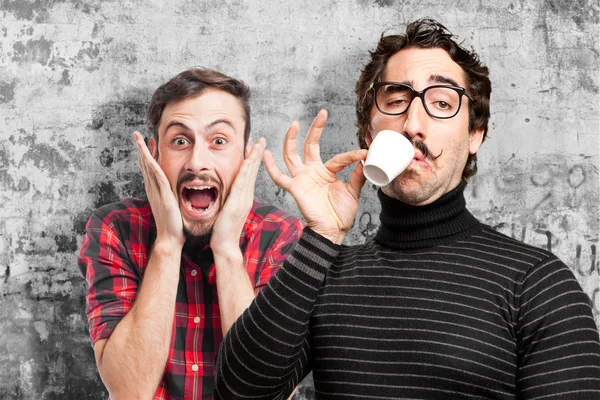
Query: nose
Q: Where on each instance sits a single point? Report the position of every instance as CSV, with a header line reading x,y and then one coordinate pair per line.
x,y
199,159
416,119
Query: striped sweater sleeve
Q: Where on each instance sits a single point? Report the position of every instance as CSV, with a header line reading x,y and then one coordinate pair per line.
x,y
558,344
265,353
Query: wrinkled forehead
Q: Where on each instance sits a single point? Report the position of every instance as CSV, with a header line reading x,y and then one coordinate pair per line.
x,y
423,67
209,105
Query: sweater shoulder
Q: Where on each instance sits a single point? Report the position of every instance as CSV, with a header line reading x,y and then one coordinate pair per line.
x,y
508,247
491,234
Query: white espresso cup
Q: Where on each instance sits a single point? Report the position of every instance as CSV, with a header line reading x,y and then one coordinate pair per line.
x,y
389,154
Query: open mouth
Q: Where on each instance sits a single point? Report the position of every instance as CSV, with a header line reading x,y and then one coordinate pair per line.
x,y
199,198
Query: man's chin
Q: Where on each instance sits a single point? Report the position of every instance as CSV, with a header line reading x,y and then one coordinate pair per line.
x,y
197,238
406,190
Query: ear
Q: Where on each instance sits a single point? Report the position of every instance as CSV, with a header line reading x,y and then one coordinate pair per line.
x,y
369,137
153,148
475,140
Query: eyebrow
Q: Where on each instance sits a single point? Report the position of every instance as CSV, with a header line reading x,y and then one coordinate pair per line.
x,y
220,121
206,127
177,123
443,79
435,78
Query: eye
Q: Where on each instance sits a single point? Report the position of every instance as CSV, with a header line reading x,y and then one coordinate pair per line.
x,y
397,101
220,141
442,99
180,141
394,98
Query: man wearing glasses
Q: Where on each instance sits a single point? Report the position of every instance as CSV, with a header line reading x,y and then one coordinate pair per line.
x,y
438,305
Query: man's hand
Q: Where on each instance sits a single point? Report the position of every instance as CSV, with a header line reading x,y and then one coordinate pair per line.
x,y
165,208
328,204
234,288
230,222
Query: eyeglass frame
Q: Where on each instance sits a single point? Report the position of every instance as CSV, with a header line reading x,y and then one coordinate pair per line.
x,y
420,94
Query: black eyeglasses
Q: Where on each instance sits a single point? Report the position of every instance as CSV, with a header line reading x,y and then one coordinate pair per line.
x,y
440,101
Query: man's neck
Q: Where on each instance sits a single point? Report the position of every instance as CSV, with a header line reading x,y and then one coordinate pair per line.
x,y
406,226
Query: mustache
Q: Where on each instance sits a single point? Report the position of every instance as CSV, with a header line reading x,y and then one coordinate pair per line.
x,y
424,149
189,177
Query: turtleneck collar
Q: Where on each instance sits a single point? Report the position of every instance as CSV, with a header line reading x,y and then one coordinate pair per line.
x,y
404,226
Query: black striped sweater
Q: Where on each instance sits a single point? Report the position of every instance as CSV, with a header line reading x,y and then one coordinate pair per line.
x,y
438,306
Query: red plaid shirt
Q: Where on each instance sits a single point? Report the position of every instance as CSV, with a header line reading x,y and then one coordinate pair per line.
x,y
113,258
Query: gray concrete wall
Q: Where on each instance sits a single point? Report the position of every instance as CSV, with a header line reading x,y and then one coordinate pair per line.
x,y
75,77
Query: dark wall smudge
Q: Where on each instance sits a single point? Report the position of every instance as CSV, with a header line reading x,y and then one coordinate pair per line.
x,y
104,193
65,78
38,10
34,50
46,368
7,91
66,243
384,3
116,121
27,10
46,157
582,12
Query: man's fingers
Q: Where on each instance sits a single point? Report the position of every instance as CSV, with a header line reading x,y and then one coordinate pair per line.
x,y
357,181
144,177
141,144
280,179
341,161
150,168
246,176
249,168
137,137
257,150
311,144
248,147
290,154
256,155
143,152
148,181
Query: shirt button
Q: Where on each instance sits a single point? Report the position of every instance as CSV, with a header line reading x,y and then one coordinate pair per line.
x,y
195,367
197,320
194,272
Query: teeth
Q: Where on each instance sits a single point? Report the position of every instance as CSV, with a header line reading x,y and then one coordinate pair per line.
x,y
198,187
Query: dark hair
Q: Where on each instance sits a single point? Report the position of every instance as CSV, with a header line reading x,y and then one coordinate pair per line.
x,y
427,34
192,83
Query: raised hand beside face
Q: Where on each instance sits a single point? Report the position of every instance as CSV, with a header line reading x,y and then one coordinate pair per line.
x,y
327,203
164,204
230,222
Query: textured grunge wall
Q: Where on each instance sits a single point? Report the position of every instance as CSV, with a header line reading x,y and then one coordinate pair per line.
x,y
75,77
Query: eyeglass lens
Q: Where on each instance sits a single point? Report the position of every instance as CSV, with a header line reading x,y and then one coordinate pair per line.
x,y
441,102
